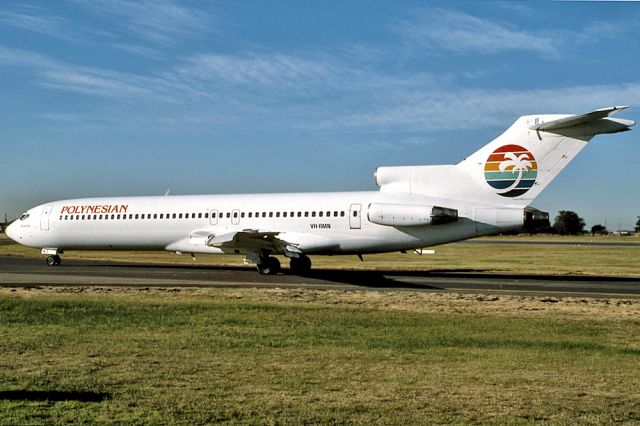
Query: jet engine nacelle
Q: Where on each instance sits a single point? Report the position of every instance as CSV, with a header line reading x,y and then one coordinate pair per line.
x,y
409,214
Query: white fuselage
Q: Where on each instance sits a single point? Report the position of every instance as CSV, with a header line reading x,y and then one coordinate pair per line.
x,y
318,223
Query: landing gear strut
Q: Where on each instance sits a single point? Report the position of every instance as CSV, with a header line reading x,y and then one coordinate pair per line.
x,y
54,260
268,265
300,265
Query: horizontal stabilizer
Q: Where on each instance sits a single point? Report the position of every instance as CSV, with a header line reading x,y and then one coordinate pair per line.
x,y
611,125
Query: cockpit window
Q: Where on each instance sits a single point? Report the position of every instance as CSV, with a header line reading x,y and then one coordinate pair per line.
x,y
24,216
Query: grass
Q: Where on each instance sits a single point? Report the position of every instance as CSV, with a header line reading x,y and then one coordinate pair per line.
x,y
575,259
298,356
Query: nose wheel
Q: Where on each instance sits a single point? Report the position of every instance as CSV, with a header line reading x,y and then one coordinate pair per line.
x,y
54,260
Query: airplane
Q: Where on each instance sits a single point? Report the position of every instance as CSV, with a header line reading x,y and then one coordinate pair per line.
x,y
416,206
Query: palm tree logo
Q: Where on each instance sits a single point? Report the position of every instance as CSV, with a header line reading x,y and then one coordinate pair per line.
x,y
511,170
518,164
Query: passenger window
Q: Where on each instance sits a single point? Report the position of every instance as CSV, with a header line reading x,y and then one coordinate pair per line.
x,y
250,213
320,214
136,216
199,215
66,217
313,214
206,215
335,214
342,214
355,213
82,217
264,214
306,214
228,215
284,214
270,214
113,216
299,214
77,217
118,217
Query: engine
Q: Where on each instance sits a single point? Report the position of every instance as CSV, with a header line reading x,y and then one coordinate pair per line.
x,y
410,214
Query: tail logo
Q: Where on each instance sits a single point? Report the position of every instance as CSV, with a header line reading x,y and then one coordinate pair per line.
x,y
511,169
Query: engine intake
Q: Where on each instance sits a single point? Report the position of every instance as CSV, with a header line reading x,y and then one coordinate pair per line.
x,y
410,214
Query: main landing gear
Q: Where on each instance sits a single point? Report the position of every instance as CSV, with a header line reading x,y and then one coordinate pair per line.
x,y
300,265
268,265
54,260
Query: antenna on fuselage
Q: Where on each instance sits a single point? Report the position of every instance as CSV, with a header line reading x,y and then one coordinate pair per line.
x,y
166,194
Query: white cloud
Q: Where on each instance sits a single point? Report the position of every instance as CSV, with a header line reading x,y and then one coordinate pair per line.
x,y
449,30
35,20
159,21
472,109
303,93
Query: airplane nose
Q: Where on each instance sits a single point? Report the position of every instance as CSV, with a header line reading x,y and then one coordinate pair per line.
x,y
12,232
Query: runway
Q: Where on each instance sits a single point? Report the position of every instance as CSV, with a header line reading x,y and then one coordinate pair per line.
x,y
32,272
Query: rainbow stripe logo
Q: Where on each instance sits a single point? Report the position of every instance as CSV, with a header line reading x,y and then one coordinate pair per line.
x,y
511,169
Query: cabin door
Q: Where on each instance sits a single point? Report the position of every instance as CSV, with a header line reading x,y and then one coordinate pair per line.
x,y
44,218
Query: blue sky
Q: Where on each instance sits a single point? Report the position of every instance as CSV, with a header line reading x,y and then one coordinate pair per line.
x,y
102,98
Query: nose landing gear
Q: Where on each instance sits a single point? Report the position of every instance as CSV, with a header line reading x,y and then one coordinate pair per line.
x,y
54,260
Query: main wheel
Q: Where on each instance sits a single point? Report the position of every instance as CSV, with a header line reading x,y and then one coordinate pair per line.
x,y
269,266
300,265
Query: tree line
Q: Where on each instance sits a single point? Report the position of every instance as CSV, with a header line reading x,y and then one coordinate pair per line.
x,y
568,222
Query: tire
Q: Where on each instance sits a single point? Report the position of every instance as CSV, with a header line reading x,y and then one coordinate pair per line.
x,y
51,261
270,266
300,265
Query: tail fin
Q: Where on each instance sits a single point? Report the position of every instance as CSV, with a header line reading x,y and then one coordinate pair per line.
x,y
515,167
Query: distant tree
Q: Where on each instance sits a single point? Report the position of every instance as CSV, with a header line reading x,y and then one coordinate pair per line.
x,y
568,223
599,230
637,229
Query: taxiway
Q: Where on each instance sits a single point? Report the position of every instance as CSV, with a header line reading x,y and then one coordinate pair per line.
x,y
32,272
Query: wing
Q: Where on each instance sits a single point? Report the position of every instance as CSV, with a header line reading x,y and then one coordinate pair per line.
x,y
253,241
256,242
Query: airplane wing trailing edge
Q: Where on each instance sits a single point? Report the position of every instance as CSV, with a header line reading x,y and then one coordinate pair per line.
x,y
248,239
598,119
